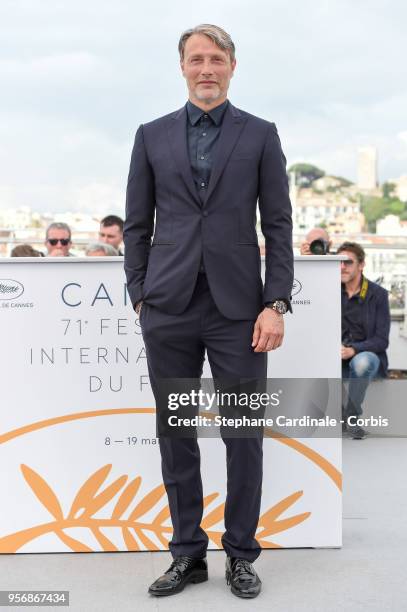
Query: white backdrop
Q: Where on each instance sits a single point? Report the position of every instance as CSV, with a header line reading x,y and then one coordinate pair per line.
x,y
80,461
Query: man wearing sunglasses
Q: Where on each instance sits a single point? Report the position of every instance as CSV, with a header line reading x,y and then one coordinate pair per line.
x,y
58,240
365,332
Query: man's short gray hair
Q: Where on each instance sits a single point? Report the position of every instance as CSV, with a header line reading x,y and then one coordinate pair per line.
x,y
58,226
221,38
107,249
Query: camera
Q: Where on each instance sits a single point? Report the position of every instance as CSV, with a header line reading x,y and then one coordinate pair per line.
x,y
319,247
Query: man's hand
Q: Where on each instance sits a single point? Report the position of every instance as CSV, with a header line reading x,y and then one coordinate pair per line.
x,y
304,249
347,352
138,306
268,331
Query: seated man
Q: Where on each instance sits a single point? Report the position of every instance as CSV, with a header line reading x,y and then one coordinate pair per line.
x,y
365,331
317,242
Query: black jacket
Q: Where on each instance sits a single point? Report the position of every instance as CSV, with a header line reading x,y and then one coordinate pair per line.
x,y
376,322
248,166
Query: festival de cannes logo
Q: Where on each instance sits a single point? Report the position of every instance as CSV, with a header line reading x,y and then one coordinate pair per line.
x,y
296,287
10,289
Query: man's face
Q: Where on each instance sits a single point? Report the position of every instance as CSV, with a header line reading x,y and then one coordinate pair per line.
x,y
207,70
350,269
111,235
58,242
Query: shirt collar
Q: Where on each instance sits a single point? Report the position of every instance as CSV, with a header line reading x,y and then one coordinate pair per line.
x,y
216,114
344,292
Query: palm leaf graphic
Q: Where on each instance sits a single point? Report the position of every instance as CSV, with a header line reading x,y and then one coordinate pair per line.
x,y
90,499
129,539
216,537
105,543
104,497
269,523
89,489
148,502
43,492
280,507
73,544
162,516
284,524
87,501
208,499
126,497
162,539
213,517
149,544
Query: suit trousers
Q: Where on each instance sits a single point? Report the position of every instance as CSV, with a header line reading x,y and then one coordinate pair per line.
x,y
175,348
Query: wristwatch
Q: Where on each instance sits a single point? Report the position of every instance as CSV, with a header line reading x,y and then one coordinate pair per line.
x,y
278,305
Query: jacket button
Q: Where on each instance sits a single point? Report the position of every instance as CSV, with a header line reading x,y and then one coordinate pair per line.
x,y
205,214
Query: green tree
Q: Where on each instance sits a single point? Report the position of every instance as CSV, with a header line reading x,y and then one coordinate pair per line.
x,y
306,173
396,207
375,208
388,190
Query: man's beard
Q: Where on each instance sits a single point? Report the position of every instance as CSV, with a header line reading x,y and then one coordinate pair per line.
x,y
208,98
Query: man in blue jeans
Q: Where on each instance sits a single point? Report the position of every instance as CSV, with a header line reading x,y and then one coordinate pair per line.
x,y
365,332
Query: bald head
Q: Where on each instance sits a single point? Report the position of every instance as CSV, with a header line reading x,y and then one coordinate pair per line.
x,y
317,233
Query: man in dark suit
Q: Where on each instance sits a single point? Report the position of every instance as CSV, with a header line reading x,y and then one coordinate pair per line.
x,y
195,178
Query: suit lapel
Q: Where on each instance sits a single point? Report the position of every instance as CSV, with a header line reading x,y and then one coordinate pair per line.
x,y
232,126
177,134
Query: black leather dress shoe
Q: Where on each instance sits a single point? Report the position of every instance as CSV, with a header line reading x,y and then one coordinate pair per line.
x,y
181,571
243,580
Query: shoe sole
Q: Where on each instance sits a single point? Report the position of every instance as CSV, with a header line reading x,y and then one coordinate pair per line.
x,y
194,577
239,593
356,436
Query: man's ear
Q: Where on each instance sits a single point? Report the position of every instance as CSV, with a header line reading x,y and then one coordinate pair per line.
x,y
181,63
233,67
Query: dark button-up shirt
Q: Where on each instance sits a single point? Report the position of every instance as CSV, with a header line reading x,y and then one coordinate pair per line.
x,y
352,318
203,129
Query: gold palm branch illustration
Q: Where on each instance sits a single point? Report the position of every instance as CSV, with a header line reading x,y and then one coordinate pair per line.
x,y
136,529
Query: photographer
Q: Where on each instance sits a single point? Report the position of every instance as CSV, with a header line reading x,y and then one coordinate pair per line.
x,y
365,331
317,242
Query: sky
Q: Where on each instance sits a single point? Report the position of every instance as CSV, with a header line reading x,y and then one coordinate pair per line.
x,y
78,78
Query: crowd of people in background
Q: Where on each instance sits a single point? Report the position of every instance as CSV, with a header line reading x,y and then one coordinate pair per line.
x,y
58,241
365,305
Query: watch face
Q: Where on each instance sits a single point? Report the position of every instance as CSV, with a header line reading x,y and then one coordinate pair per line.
x,y
280,306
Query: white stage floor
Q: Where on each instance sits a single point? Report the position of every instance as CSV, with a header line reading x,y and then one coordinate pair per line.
x,y
368,573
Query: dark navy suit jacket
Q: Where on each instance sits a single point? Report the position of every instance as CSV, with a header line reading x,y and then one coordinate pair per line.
x,y
167,228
